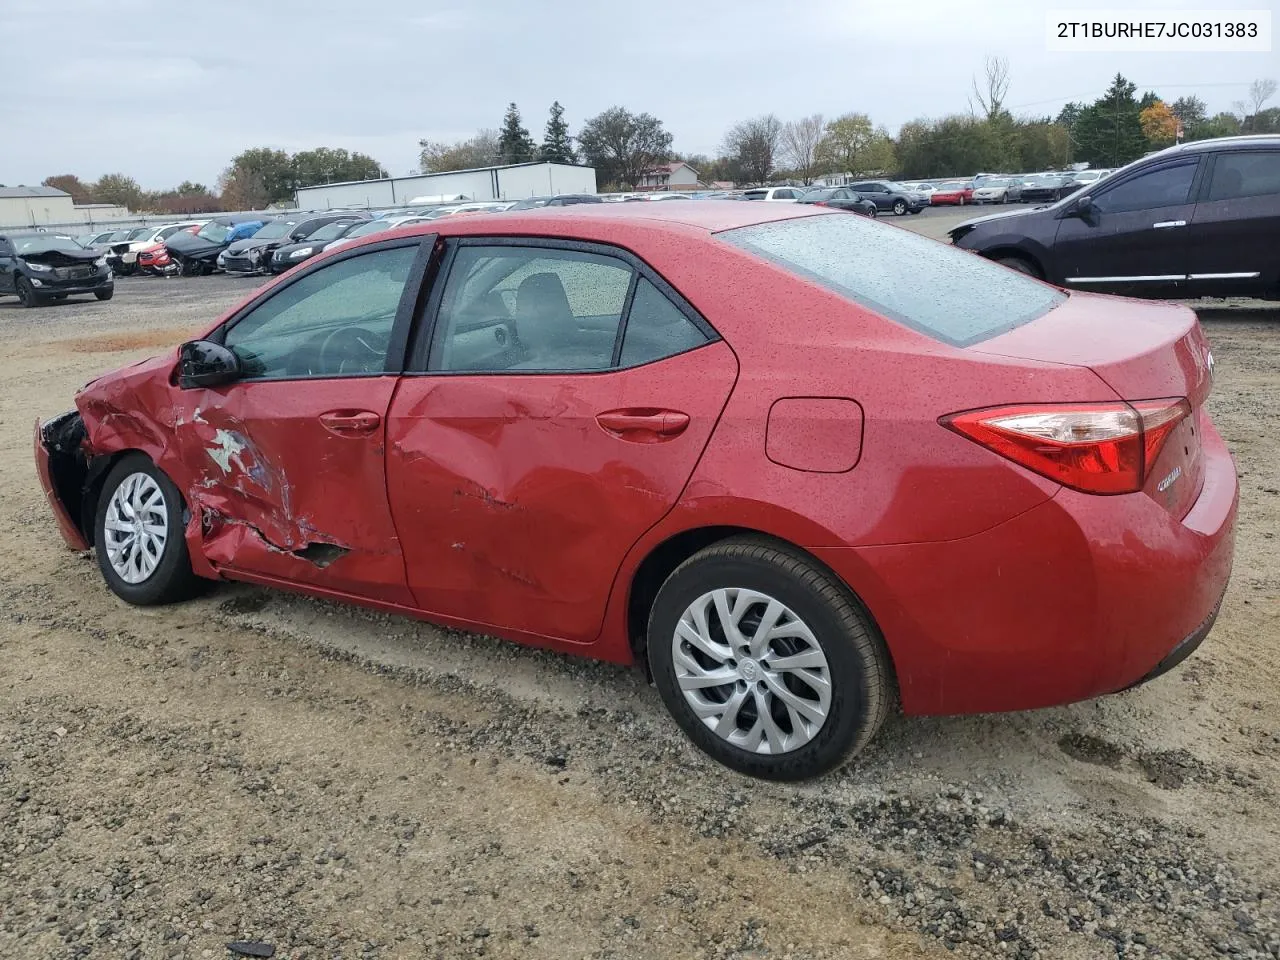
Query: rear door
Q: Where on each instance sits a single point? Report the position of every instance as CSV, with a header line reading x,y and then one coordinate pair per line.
x,y
1134,238
563,398
1235,231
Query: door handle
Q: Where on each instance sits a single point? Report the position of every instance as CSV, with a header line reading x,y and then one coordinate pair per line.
x,y
1163,224
644,424
350,422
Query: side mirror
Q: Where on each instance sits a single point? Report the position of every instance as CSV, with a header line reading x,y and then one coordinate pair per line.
x,y
203,363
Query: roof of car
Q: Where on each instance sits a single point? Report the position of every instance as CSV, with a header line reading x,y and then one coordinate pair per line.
x,y
1249,140
709,215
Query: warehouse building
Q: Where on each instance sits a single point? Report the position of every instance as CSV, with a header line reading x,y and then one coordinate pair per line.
x,y
513,182
35,206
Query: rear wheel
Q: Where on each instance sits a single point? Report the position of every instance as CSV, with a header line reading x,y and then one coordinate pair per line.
x,y
1021,264
138,533
899,207
26,293
766,661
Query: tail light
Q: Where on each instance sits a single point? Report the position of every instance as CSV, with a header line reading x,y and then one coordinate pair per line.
x,y
1103,448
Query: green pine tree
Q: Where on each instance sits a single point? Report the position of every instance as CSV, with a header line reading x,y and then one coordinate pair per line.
x,y
514,143
557,145
1108,132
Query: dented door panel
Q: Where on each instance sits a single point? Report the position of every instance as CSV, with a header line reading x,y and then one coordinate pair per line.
x,y
515,505
282,495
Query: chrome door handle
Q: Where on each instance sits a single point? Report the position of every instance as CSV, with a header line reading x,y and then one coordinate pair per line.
x,y
1168,223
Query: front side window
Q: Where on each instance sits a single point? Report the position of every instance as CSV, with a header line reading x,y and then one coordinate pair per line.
x,y
1238,175
333,322
1163,187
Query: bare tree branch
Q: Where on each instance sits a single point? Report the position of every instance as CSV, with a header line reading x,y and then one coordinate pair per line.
x,y
990,95
800,139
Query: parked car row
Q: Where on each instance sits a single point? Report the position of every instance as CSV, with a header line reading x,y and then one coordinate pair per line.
x,y
1045,187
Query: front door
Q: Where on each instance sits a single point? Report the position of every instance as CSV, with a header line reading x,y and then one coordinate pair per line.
x,y
1133,238
566,400
289,462
1232,237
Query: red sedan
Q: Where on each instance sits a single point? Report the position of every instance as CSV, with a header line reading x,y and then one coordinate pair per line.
x,y
952,194
803,463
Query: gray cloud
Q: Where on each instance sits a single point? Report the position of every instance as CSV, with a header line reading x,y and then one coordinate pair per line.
x,y
173,92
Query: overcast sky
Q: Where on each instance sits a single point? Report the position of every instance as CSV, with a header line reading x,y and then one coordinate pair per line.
x,y
167,92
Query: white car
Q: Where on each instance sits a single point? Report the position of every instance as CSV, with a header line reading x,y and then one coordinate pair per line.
x,y
774,194
374,226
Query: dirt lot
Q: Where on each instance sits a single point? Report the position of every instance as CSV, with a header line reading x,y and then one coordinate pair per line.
x,y
257,766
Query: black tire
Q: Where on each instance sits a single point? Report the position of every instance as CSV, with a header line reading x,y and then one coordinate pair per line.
x,y
105,294
899,208
26,293
172,579
873,212
188,268
1021,264
858,664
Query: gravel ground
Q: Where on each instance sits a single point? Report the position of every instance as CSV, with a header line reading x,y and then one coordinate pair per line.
x,y
258,766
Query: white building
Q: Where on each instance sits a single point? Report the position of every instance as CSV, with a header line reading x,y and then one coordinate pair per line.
x,y
513,182
669,176
35,206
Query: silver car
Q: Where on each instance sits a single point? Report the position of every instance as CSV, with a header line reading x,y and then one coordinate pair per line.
x,y
998,190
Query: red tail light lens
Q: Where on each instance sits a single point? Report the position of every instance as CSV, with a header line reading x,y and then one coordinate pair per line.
x,y
1104,448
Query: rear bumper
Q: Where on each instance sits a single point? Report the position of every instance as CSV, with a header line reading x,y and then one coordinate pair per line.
x,y
1079,596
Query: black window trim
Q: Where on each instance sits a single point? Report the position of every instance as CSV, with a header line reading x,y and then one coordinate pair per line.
x,y
1212,165
406,310
423,349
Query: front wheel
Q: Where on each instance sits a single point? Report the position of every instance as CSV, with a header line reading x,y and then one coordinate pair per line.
x,y
766,661
105,294
26,293
138,533
899,208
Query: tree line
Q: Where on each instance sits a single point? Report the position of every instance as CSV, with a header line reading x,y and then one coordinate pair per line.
x,y
255,178
1113,130
622,146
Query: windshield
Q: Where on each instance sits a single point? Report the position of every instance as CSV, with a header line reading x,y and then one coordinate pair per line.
x,y
44,242
140,233
275,230
330,231
214,232
936,289
951,186
529,204
815,195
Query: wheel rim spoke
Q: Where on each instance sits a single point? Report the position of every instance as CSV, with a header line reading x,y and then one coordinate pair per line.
x,y
136,528
751,670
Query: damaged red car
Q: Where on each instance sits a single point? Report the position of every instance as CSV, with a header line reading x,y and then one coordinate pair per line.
x,y
803,465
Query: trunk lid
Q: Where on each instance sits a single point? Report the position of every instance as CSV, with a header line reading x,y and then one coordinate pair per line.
x,y
1143,351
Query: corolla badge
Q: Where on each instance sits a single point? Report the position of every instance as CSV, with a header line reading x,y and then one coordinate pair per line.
x,y
1168,481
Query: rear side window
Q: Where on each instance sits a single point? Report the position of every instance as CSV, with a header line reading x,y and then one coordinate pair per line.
x,y
948,294
656,328
1238,175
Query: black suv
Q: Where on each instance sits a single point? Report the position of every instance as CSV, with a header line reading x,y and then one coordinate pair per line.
x,y
887,195
39,267
1196,220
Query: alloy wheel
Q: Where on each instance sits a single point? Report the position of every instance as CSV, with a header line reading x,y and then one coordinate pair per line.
x,y
751,670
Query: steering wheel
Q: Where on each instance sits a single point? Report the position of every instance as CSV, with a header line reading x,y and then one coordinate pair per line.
x,y
353,350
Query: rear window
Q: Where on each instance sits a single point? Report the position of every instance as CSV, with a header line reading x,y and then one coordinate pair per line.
x,y
949,294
